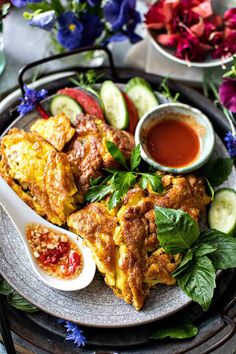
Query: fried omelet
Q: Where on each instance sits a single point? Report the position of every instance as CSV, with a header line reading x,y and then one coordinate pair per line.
x,y
124,242
87,152
56,130
39,174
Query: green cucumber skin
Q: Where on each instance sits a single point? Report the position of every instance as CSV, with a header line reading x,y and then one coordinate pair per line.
x,y
140,85
56,100
231,230
109,86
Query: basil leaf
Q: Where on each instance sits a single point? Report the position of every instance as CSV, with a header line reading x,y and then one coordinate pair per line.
x,y
218,171
116,154
203,249
225,254
178,331
198,281
176,230
15,299
5,288
97,193
135,158
154,180
184,263
121,182
20,303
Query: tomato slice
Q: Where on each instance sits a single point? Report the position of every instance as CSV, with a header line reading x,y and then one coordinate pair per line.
x,y
133,113
86,101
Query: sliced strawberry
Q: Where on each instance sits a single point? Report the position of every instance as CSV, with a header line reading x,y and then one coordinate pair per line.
x,y
133,113
88,103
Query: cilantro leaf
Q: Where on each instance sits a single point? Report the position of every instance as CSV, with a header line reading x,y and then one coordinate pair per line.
x,y
198,281
121,182
97,193
224,255
177,331
116,154
176,230
154,180
135,158
218,171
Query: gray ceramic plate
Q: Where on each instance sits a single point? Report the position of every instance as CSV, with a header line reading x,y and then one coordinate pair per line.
x,y
96,305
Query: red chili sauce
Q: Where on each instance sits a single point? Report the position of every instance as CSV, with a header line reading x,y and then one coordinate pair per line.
x,y
55,253
173,143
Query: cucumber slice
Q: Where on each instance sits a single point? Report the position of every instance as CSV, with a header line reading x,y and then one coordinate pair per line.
x,y
115,108
142,95
63,103
222,212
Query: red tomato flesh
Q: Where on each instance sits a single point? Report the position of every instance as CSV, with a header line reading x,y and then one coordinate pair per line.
x,y
133,113
85,100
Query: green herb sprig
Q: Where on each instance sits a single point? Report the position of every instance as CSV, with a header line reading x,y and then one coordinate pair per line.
x,y
15,299
203,253
217,171
119,182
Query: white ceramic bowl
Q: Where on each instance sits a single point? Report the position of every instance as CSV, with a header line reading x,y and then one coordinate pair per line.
x,y
192,116
219,7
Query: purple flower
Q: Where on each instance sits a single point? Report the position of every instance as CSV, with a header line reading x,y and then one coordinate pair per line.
x,y
44,20
227,93
30,100
230,17
121,14
93,3
92,29
74,333
70,31
230,140
22,3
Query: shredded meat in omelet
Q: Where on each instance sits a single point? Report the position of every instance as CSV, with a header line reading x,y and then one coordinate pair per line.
x,y
124,241
87,152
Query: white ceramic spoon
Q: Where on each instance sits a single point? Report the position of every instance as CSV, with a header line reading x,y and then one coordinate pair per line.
x,y
22,215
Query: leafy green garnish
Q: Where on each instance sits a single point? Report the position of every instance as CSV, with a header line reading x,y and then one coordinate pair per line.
x,y
176,230
116,154
209,189
15,299
176,331
121,182
153,179
165,91
198,281
217,171
135,158
118,182
224,256
203,253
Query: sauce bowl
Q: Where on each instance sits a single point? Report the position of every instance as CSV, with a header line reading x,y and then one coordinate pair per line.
x,y
193,119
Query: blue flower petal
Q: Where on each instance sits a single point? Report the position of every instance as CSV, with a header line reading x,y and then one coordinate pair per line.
x,y
45,20
70,31
230,140
30,100
92,29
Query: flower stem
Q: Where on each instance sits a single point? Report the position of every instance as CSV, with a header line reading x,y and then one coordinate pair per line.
x,y
42,111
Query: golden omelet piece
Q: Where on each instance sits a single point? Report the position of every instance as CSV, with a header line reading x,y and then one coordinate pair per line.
x,y
124,241
56,130
87,152
38,174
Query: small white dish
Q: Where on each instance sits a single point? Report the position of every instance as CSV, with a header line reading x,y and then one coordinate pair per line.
x,y
193,117
22,215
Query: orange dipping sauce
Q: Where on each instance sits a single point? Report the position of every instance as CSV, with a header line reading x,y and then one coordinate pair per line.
x,y
173,143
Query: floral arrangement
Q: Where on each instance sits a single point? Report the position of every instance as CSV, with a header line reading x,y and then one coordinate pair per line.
x,y
79,23
227,97
191,27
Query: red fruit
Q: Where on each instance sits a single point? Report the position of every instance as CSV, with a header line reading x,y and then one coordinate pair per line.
x,y
85,100
133,114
